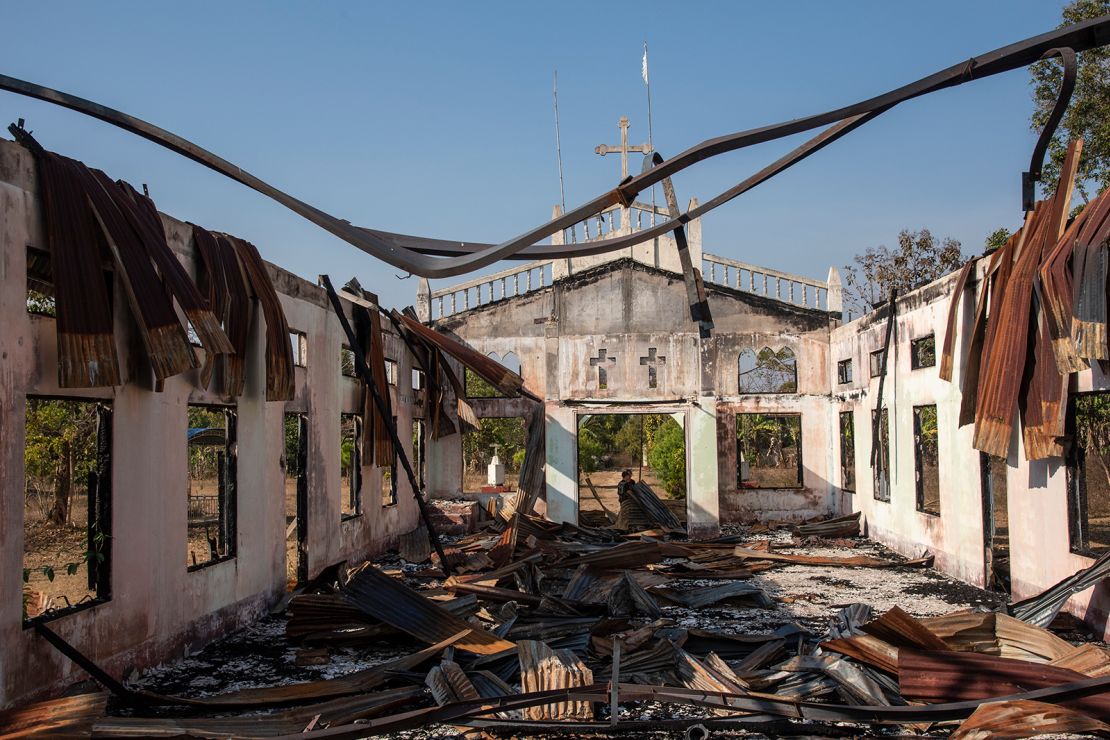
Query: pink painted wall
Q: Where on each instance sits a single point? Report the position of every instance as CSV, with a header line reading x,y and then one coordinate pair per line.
x,y
159,610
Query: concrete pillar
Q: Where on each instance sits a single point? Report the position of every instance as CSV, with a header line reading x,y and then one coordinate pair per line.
x,y
424,300
836,292
443,466
562,464
693,235
559,268
702,497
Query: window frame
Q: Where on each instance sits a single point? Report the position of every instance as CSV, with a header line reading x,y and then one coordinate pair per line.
x,y
98,509
884,454
1076,485
227,509
800,464
915,343
776,354
919,462
300,353
344,348
842,377
875,360
851,451
356,467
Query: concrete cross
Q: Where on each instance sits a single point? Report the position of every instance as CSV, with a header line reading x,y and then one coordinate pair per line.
x,y
624,148
599,363
651,361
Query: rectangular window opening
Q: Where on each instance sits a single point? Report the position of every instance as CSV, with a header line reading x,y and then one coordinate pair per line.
x,y
350,469
347,361
294,461
211,489
389,477
923,352
67,458
769,451
847,451
926,466
390,371
844,372
1088,474
880,462
299,341
40,283
876,363
418,450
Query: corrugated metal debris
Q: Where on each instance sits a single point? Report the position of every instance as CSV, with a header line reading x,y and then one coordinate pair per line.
x,y
575,630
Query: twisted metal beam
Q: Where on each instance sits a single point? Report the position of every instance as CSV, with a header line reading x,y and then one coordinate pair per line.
x,y
418,255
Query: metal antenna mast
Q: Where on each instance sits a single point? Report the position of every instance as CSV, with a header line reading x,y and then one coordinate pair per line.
x,y
559,155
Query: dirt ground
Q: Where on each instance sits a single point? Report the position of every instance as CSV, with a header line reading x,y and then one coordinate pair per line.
x,y
49,545
605,483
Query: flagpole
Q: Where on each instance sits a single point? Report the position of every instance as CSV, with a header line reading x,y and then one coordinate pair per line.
x,y
651,142
559,154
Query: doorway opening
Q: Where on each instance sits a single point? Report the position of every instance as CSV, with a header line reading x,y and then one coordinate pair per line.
x,y
652,446
295,463
996,522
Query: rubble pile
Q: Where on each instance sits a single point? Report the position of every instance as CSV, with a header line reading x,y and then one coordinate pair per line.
x,y
545,628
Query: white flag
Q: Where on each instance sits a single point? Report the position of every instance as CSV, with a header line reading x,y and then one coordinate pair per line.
x,y
643,70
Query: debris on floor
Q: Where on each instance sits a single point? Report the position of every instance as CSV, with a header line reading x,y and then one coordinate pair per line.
x,y
563,629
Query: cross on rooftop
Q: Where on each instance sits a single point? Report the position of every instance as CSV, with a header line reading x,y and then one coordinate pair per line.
x,y
623,148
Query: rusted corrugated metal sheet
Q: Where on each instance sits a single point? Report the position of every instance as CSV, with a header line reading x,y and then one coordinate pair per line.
x,y
67,717
399,606
1016,719
854,561
899,629
1043,608
493,372
279,352
542,669
86,344
938,677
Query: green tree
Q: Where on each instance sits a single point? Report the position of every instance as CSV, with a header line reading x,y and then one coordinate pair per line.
x,y
59,451
667,456
507,433
1088,115
919,259
996,239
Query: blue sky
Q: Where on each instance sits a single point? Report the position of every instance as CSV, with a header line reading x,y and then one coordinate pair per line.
x,y
436,118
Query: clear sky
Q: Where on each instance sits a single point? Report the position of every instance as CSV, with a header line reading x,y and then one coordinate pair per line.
x,y
436,118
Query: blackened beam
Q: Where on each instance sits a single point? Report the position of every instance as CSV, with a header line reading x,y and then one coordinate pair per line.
x,y
98,674
691,275
413,254
1063,97
367,377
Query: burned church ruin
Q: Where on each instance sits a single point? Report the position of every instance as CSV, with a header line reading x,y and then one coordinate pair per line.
x,y
196,442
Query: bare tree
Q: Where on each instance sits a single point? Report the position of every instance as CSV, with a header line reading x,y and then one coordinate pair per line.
x,y
918,259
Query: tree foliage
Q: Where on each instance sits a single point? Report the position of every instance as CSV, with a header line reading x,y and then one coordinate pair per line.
x,y
607,441
919,259
1088,115
996,239
667,455
507,433
59,451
